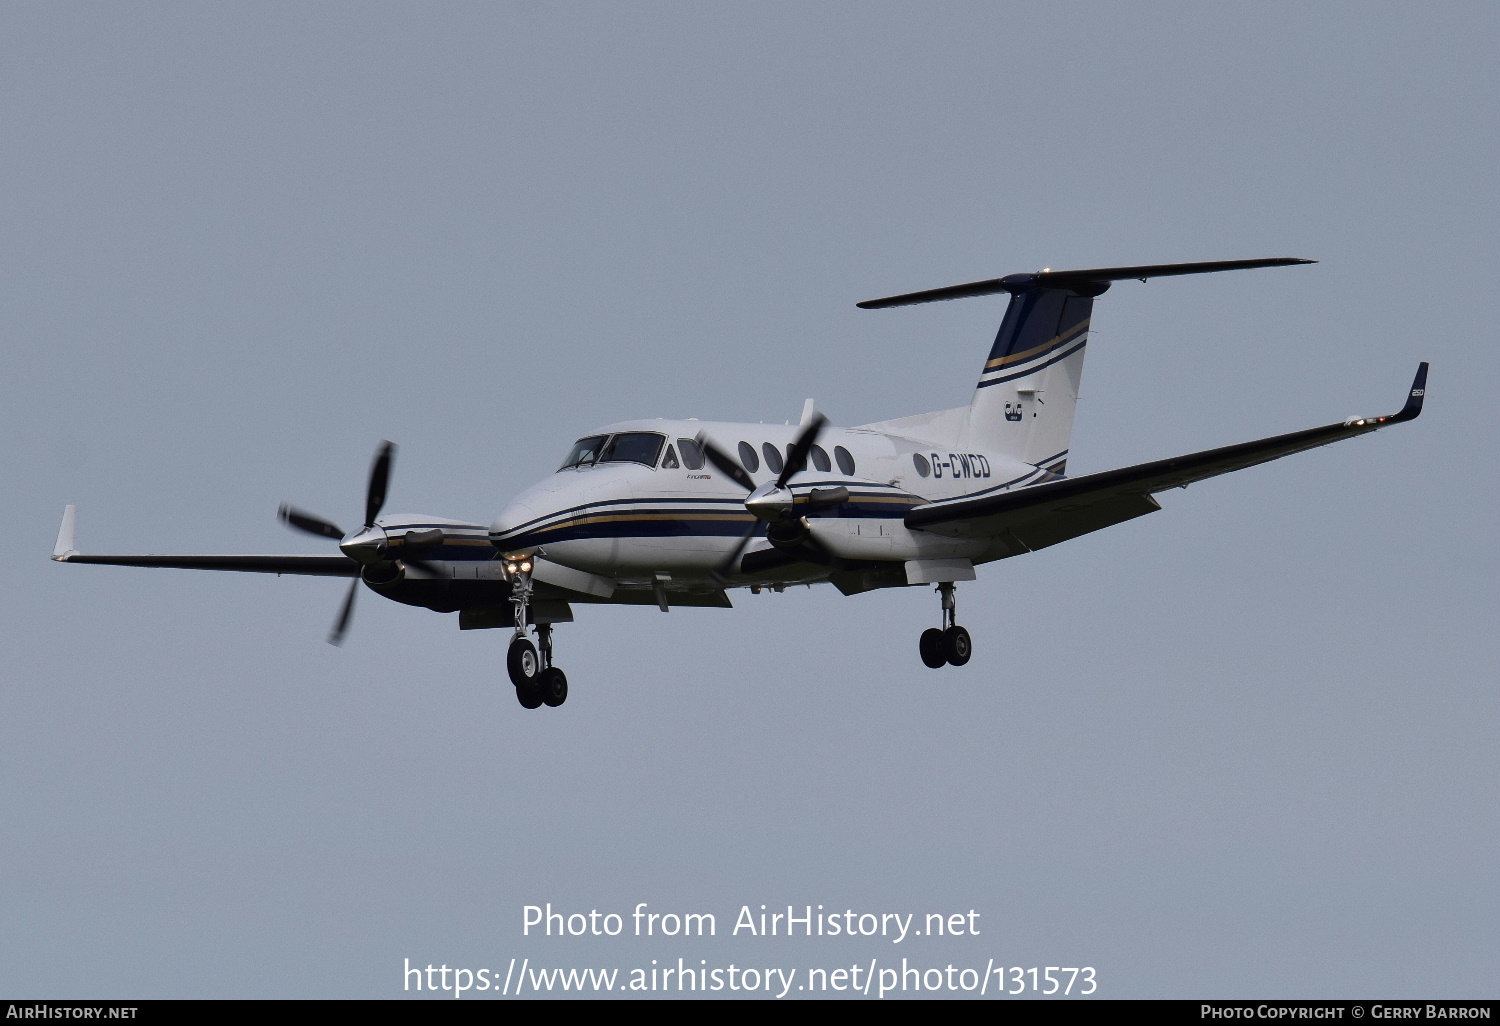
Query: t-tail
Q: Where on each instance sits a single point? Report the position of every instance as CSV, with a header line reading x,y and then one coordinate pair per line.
x,y
1027,393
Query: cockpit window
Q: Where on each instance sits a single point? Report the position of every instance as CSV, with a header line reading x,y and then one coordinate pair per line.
x,y
585,451
633,447
669,461
692,455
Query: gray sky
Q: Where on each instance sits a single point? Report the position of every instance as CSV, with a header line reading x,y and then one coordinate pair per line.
x,y
1247,746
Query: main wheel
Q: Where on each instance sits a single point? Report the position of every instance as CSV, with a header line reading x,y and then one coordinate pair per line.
x,y
957,646
931,647
553,684
522,663
530,695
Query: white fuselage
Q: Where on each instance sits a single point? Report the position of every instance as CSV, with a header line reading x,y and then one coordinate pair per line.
x,y
672,520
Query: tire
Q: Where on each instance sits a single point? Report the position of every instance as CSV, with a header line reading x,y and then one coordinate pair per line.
x,y
553,685
957,646
529,695
934,653
522,663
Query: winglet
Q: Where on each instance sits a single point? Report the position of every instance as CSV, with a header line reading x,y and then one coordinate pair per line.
x,y
1410,411
64,547
1413,407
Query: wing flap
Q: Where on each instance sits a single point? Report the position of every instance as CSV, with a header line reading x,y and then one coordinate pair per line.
x,y
1043,531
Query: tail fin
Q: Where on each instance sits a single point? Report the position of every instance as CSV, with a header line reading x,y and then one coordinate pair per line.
x,y
1024,403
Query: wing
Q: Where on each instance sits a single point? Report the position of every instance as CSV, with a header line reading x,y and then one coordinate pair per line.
x,y
316,566
1033,518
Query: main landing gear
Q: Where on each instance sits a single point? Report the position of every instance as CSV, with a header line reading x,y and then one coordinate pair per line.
x,y
537,681
949,643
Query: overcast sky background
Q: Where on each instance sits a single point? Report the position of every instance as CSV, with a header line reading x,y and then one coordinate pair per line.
x,y
1244,747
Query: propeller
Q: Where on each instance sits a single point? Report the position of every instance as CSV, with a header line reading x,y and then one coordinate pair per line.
x,y
773,503
367,546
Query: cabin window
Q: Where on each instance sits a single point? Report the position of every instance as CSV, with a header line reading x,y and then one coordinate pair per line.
x,y
820,459
773,457
748,459
920,462
585,451
692,456
845,461
633,447
669,461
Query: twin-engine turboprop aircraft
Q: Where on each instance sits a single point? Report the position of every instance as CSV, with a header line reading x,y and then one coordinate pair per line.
x,y
658,512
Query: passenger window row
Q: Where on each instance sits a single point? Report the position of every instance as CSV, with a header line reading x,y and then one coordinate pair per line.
x,y
775,463
645,446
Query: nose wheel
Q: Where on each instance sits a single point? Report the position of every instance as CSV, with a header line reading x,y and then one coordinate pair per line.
x,y
949,644
537,681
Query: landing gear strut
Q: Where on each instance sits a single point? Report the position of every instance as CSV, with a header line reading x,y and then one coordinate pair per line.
x,y
530,666
948,644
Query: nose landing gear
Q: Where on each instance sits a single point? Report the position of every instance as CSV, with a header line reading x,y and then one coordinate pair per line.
x,y
537,681
950,643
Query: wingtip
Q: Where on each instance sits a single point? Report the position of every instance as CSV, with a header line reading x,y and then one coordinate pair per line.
x,y
64,549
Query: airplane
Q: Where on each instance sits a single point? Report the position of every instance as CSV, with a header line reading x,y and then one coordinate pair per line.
x,y
678,512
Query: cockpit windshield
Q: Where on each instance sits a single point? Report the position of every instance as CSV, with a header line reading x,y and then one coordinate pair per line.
x,y
633,447
585,451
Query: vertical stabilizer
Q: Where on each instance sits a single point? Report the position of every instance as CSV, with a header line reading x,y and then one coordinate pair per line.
x,y
1028,390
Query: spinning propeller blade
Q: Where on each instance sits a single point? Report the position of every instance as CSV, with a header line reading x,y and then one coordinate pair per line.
x,y
380,476
302,520
336,636
796,454
726,464
767,506
309,523
731,562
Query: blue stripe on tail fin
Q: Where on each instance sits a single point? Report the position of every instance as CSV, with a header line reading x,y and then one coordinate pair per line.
x,y
1039,326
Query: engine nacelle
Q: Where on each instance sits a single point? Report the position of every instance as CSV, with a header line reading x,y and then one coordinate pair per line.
x,y
788,534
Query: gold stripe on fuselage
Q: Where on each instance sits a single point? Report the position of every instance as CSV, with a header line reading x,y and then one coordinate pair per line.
x,y
614,518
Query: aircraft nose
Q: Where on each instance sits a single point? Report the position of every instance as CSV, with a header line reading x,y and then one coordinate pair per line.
x,y
365,546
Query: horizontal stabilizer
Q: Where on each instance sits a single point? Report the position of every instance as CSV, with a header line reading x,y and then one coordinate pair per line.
x,y
1087,281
